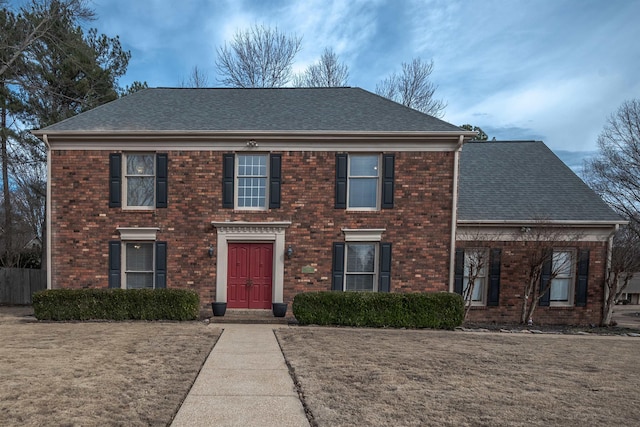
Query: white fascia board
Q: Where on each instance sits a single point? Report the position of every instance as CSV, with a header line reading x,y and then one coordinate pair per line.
x,y
261,141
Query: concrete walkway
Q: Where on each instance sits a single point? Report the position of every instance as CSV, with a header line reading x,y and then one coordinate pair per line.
x,y
244,382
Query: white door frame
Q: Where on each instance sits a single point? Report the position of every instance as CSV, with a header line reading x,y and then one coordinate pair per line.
x,y
244,231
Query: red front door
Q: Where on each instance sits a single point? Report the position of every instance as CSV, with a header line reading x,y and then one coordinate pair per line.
x,y
249,275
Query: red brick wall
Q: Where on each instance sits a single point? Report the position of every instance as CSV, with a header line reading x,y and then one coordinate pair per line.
x,y
418,226
513,278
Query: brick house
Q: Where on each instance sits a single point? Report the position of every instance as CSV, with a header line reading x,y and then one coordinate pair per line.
x,y
250,196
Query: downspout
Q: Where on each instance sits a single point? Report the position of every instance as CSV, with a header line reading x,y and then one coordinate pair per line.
x,y
48,210
454,212
607,269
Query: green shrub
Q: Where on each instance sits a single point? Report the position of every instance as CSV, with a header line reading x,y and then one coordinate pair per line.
x,y
397,310
116,304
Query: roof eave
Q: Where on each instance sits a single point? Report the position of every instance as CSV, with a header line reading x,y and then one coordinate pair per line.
x,y
242,134
552,223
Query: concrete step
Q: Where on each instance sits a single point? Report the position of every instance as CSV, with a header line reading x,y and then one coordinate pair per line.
x,y
236,315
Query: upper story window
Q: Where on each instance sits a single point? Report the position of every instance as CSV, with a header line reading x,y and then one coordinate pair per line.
x,y
251,182
140,179
364,181
364,186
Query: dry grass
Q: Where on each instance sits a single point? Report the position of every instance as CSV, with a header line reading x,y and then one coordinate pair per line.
x,y
98,374
410,378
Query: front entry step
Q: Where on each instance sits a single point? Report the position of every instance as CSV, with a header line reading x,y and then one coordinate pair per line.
x,y
239,315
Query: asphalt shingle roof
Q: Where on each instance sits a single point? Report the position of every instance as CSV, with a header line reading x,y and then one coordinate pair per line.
x,y
283,109
523,181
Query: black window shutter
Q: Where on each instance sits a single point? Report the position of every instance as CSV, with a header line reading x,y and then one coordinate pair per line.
x,y
228,172
115,180
458,272
583,278
161,265
338,267
384,284
162,189
387,180
114,264
341,181
493,295
545,276
275,180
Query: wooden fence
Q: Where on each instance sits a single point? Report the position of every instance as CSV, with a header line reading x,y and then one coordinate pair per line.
x,y
18,284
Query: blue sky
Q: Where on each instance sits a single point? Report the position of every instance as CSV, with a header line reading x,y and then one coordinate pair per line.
x,y
552,70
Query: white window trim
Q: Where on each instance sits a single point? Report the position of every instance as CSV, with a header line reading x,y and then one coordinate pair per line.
x,y
236,179
125,182
483,300
123,262
378,186
363,235
376,267
138,233
572,282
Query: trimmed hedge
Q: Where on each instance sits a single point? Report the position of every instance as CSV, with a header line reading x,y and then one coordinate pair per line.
x,y
397,310
116,304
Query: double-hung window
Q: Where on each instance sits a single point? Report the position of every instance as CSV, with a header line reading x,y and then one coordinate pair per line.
x,y
562,283
139,265
475,274
138,260
252,178
140,179
362,262
361,267
364,181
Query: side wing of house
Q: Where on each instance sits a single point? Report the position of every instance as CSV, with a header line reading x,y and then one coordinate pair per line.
x,y
529,230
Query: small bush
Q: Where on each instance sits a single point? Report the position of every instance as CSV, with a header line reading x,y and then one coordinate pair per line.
x,y
116,304
397,310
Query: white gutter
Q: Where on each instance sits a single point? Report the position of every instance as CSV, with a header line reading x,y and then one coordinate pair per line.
x,y
454,212
608,266
48,210
243,134
541,223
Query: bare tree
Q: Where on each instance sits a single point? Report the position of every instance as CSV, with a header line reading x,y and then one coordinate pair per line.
x,y
197,79
27,32
624,262
257,57
615,172
413,88
327,72
476,262
544,261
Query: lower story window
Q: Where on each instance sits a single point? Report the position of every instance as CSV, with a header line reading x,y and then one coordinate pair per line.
x,y
475,269
139,271
562,269
361,271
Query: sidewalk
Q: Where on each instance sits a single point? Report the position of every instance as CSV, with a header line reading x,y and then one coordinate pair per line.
x,y
244,382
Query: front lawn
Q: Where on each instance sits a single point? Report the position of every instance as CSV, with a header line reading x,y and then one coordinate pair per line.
x,y
378,377
98,374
